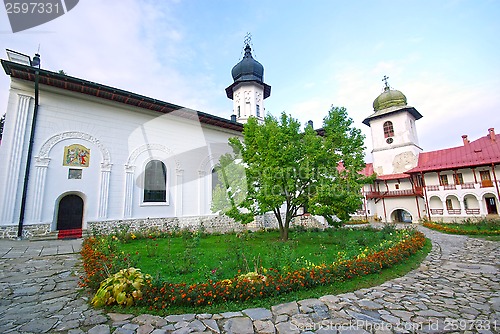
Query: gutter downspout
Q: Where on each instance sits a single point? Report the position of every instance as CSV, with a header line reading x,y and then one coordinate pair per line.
x,y
496,182
425,196
28,159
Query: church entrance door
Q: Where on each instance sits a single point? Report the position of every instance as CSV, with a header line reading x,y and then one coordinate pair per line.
x,y
70,217
491,205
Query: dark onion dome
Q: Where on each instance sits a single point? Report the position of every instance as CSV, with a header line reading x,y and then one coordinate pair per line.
x,y
389,98
248,70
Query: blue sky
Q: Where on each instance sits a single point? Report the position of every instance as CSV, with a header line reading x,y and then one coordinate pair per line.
x,y
443,55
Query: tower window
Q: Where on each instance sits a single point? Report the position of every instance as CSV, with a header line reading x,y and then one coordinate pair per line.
x,y
388,129
155,182
239,111
258,110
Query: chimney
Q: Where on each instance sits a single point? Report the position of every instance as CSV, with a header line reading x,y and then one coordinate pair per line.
x,y
233,118
466,141
492,134
310,123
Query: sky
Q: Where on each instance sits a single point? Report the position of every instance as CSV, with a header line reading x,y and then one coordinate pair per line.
x,y
443,55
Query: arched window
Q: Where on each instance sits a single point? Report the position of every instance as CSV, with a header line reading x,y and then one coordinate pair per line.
x,y
155,182
215,179
388,129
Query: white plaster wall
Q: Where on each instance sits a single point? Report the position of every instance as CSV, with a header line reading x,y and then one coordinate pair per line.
x,y
402,154
252,93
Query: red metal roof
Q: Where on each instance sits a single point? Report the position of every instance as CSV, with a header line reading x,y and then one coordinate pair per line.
x,y
483,151
393,176
368,170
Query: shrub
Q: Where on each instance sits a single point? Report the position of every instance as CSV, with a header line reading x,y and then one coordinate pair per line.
x,y
122,288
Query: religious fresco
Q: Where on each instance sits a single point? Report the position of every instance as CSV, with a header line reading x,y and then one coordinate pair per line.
x,y
76,155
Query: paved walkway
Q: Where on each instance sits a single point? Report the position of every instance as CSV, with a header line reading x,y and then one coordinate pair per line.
x,y
455,290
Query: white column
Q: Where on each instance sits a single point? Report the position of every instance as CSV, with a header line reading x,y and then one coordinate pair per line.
x,y
462,207
41,167
178,192
445,209
129,191
17,149
482,206
104,190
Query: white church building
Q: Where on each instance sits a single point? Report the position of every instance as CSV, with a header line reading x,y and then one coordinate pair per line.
x,y
77,154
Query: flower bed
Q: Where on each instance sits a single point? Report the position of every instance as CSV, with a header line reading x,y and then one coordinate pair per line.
x,y
245,286
271,282
456,229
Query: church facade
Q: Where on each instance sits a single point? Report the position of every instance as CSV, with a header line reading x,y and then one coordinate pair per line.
x,y
98,156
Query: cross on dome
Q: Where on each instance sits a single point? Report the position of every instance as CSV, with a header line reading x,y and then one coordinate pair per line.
x,y
384,79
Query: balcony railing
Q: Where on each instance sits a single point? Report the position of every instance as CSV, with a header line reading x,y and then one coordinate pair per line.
x,y
395,193
454,211
486,183
467,185
472,211
437,211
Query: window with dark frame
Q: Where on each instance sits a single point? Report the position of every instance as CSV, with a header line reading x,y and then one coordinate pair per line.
x,y
388,129
459,179
215,179
443,179
155,182
75,174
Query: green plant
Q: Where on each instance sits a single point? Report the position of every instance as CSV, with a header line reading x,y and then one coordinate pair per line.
x,y
122,288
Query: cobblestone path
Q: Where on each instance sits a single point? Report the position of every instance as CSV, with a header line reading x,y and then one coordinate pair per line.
x,y
455,290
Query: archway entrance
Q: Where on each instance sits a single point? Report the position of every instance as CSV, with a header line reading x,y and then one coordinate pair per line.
x,y
401,216
70,217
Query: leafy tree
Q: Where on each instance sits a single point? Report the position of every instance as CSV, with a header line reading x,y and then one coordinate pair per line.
x,y
278,168
2,122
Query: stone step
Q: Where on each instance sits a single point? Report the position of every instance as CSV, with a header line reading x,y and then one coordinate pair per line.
x,y
51,236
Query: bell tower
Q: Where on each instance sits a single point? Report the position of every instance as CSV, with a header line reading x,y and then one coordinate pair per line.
x,y
248,90
394,135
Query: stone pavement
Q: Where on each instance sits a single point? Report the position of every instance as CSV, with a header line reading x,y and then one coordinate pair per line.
x,y
455,290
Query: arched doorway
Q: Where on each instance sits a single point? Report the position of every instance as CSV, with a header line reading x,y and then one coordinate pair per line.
x,y
70,217
401,216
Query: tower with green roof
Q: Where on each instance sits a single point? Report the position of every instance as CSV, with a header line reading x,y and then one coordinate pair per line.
x,y
394,135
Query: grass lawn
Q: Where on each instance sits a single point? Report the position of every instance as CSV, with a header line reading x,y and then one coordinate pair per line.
x,y
196,258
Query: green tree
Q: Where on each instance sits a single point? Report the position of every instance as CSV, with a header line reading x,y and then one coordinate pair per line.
x,y
2,122
278,168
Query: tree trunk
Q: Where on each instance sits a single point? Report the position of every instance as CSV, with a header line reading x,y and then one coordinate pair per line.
x,y
284,234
